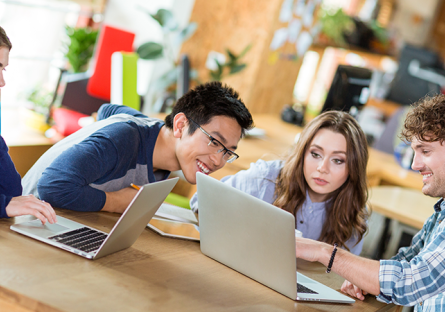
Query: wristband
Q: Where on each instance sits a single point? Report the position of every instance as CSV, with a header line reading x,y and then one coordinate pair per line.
x,y
331,261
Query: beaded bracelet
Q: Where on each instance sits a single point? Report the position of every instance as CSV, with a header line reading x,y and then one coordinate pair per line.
x,y
331,261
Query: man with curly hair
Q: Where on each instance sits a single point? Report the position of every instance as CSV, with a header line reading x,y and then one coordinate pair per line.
x,y
416,275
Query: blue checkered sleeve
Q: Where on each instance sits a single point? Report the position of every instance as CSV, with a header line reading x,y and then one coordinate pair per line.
x,y
416,273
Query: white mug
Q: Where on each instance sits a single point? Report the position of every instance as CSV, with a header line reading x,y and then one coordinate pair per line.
x,y
298,233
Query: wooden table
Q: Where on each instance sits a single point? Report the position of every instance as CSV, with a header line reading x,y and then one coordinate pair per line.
x,y
155,274
408,206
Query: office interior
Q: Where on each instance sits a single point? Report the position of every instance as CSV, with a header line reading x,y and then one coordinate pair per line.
x,y
290,66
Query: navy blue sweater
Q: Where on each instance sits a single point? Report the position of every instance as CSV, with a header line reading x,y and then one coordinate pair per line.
x,y
9,179
104,157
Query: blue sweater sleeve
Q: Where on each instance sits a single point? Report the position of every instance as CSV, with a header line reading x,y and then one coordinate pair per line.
x,y
66,182
107,110
10,185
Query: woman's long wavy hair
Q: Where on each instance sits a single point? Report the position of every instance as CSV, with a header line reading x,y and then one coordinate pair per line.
x,y
347,213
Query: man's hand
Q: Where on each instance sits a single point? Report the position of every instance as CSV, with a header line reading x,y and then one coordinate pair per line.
x,y
310,250
30,205
360,271
352,290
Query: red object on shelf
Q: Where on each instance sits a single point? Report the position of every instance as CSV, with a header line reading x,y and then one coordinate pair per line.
x,y
66,120
110,40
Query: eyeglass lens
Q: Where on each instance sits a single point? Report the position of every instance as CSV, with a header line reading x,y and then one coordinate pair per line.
x,y
218,148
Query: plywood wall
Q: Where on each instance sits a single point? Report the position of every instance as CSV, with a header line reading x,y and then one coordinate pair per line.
x,y
267,83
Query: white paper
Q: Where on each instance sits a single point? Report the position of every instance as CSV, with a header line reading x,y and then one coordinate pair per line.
x,y
176,213
294,30
308,15
279,39
303,43
299,7
286,11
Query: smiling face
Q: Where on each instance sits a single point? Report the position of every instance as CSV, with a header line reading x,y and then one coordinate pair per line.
x,y
325,167
194,154
4,60
429,160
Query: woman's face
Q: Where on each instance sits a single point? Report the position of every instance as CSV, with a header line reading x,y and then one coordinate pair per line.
x,y
325,164
4,59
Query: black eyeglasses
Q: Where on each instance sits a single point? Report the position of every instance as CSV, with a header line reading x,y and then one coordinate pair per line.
x,y
217,147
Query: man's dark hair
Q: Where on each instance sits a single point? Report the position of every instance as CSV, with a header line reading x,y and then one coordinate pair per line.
x,y
210,100
4,40
426,120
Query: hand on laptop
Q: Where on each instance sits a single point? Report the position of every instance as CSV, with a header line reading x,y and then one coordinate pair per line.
x,y
352,290
30,205
311,250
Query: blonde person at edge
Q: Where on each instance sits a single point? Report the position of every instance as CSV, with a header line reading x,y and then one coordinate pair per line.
x,y
322,182
12,204
415,276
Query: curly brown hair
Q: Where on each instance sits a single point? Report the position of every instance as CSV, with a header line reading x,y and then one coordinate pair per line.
x,y
347,214
426,120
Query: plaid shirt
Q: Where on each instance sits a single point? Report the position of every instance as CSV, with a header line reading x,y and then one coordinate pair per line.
x,y
416,275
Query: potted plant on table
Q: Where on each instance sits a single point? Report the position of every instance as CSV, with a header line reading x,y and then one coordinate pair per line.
x,y
173,36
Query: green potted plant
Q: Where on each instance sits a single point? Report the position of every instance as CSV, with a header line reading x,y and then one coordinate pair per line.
x,y
36,114
334,24
232,66
173,37
80,46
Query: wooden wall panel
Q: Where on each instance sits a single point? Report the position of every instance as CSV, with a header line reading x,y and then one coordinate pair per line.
x,y
263,86
438,31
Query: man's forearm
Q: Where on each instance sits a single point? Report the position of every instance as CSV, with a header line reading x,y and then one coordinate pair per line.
x,y
362,272
118,201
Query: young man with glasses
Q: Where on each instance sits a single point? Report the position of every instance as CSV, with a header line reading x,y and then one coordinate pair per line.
x,y
92,169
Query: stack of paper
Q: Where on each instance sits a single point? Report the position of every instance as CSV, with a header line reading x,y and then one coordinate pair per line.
x,y
175,213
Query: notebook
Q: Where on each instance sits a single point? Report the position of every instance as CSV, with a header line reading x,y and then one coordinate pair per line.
x,y
175,222
90,243
256,239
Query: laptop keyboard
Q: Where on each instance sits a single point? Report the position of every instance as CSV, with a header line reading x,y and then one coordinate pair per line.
x,y
304,289
85,239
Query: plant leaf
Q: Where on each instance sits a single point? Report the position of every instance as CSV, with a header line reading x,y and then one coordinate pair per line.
x,y
232,56
243,52
193,74
220,68
184,34
165,19
166,79
188,31
215,76
150,50
237,68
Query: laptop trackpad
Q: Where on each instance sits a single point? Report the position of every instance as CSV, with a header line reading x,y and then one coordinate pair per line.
x,y
37,228
304,279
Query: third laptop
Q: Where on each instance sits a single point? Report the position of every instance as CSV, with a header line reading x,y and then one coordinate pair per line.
x,y
256,239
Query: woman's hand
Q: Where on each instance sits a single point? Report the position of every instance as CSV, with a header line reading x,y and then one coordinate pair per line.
x,y
30,205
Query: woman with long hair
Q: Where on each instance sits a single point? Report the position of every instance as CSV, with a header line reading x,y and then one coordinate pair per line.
x,y
322,182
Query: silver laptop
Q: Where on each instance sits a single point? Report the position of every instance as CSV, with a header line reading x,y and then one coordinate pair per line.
x,y
256,239
93,244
